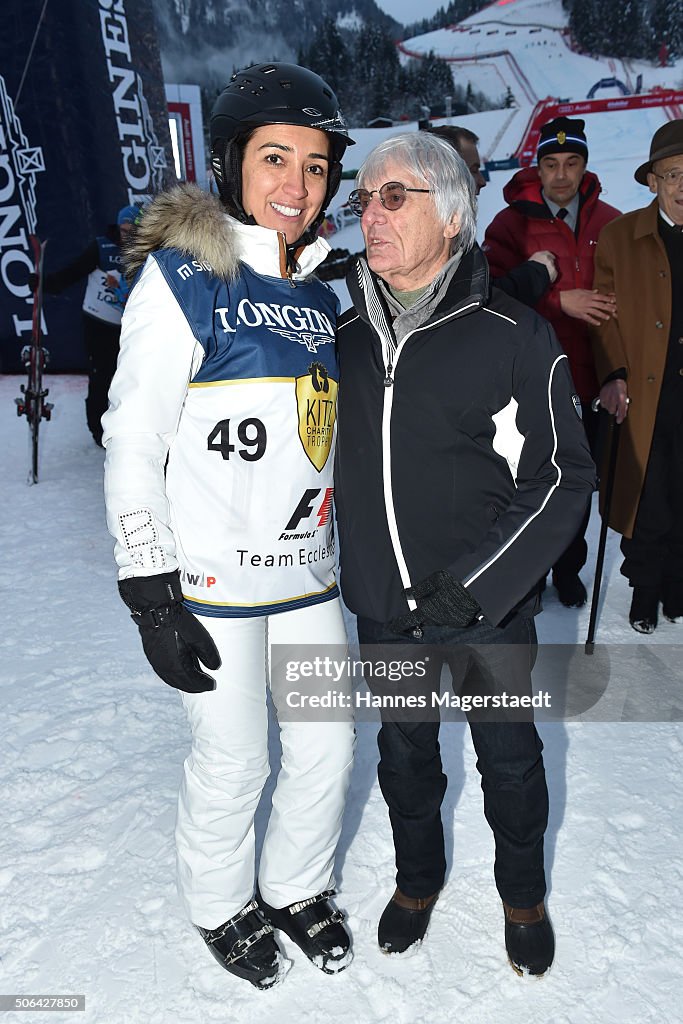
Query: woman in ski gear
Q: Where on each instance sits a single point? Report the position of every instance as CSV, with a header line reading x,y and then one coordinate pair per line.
x,y
218,480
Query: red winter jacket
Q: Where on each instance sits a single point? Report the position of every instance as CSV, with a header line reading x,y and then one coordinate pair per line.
x,y
527,226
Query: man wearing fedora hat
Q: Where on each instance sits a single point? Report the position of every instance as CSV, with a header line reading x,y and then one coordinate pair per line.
x,y
639,357
556,206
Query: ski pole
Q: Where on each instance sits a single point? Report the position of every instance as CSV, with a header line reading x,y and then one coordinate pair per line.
x,y
609,487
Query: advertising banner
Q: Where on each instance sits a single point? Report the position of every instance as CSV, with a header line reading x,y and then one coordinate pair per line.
x,y
83,132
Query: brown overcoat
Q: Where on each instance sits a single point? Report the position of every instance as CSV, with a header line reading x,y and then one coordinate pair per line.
x,y
631,260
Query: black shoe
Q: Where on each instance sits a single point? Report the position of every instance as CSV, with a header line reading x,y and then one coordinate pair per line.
x,y
317,928
644,608
245,946
672,601
529,939
404,922
570,590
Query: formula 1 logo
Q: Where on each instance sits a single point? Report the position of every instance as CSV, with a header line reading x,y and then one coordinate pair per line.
x,y
304,510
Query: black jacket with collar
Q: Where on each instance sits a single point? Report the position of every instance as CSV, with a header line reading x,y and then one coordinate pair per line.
x,y
462,450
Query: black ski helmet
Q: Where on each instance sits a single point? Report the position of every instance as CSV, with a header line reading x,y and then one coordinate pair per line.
x,y
272,93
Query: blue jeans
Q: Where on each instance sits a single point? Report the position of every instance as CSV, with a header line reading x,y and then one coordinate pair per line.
x,y
509,760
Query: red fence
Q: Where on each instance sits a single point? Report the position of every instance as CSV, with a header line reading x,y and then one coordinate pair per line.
x,y
548,109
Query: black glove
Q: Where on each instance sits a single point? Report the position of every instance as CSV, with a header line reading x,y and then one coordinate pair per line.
x,y
173,640
441,601
33,281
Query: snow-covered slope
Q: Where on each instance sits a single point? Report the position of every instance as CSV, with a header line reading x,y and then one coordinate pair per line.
x,y
526,44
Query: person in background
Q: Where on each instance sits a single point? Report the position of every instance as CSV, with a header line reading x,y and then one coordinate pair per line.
x,y
556,206
462,468
466,143
639,357
218,485
105,297
532,278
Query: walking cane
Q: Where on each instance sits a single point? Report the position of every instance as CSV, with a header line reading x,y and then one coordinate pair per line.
x,y
609,487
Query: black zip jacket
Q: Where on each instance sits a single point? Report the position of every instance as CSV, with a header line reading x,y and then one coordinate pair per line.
x,y
461,448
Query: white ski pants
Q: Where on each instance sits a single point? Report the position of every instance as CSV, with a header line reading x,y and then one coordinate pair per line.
x,y
228,767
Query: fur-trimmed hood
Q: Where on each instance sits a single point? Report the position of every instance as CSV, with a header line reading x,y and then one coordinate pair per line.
x,y
190,220
194,222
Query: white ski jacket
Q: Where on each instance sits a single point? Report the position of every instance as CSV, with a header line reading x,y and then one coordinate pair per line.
x,y
221,425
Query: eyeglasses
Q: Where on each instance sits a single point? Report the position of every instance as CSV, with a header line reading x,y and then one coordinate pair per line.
x,y
392,196
670,177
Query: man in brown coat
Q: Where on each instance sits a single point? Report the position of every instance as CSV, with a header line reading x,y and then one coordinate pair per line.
x,y
639,359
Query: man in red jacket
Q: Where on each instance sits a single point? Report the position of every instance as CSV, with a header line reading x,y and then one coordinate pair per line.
x,y
555,206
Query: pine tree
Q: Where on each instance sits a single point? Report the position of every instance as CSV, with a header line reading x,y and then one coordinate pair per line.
x,y
666,26
618,28
433,79
376,72
586,27
328,56
363,68
625,27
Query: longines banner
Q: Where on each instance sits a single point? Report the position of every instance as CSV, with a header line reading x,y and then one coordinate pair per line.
x,y
83,132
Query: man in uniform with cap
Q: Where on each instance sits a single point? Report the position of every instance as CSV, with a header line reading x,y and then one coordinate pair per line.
x,y
555,206
105,295
640,358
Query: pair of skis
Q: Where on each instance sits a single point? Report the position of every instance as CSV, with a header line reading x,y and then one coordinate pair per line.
x,y
35,358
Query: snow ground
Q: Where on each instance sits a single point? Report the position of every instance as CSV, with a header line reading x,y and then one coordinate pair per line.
x,y
93,746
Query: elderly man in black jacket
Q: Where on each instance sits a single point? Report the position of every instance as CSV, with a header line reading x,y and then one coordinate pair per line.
x,y
462,472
